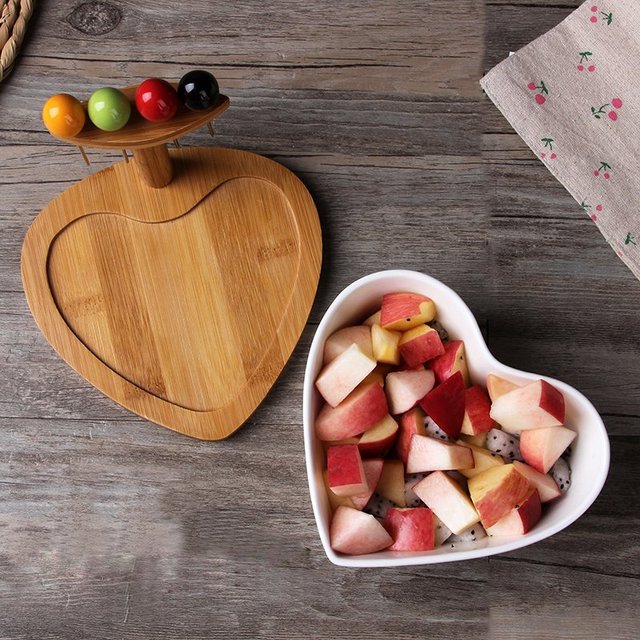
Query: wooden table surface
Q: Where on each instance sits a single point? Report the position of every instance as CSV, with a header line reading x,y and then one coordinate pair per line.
x,y
112,527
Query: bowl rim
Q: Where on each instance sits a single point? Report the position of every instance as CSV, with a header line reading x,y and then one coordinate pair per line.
x,y
310,440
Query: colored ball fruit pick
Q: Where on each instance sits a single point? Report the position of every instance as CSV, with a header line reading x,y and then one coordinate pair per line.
x,y
109,109
198,90
63,115
156,100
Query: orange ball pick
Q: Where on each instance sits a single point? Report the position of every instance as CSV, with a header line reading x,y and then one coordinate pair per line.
x,y
63,115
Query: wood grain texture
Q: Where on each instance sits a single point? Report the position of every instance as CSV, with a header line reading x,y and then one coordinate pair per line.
x,y
183,303
113,528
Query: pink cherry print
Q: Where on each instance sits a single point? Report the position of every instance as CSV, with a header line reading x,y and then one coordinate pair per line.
x,y
553,156
592,68
606,176
596,173
613,115
594,217
593,19
543,155
580,67
616,103
599,208
620,254
540,99
532,86
594,8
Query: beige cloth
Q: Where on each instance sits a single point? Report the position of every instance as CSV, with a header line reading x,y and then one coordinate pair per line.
x,y
573,95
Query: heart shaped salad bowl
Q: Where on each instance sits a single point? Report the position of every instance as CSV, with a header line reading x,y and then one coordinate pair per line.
x,y
589,458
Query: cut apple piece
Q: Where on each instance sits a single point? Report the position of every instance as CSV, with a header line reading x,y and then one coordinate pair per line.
x,y
411,529
446,498
534,406
497,386
547,487
420,344
482,460
496,491
477,407
354,532
445,404
429,454
359,411
540,448
379,439
402,311
452,361
405,388
373,319
343,374
345,471
521,519
410,423
342,339
335,501
385,345
391,483
478,441
372,472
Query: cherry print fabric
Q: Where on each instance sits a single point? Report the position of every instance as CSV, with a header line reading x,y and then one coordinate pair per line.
x,y
573,95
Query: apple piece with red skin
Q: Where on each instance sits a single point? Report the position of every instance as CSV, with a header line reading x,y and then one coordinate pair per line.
x,y
385,345
453,360
547,487
447,500
354,533
410,423
445,404
541,448
477,407
334,500
482,459
345,471
420,344
405,388
343,374
391,483
358,412
429,454
521,519
342,339
496,491
497,386
379,439
402,311
372,472
411,529
535,406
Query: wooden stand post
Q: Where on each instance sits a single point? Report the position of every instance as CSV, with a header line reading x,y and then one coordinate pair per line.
x,y
154,165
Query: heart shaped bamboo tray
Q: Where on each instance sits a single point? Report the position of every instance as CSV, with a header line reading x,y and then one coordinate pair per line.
x,y
181,303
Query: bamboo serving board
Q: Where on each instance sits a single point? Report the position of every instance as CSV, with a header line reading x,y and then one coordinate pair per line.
x,y
181,303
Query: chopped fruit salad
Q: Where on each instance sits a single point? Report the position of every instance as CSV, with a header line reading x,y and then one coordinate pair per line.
x,y
418,455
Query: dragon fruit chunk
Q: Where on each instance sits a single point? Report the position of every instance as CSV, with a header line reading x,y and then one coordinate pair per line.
x,y
434,430
474,533
378,506
561,473
504,444
442,532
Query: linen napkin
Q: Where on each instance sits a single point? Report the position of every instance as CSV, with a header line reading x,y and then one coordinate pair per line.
x,y
573,95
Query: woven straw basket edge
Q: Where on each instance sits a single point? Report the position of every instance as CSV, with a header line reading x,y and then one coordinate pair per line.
x,y
14,17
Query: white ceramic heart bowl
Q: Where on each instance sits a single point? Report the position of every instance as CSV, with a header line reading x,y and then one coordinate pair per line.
x,y
589,455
